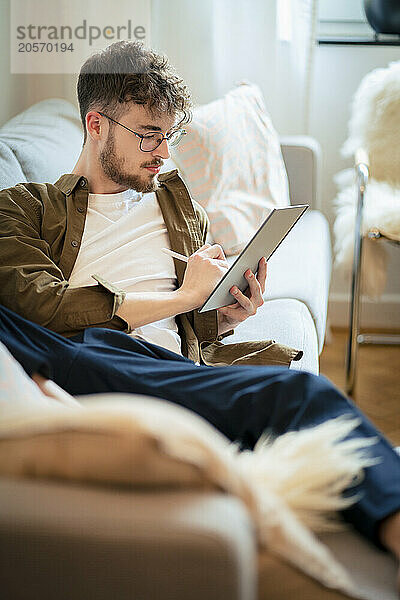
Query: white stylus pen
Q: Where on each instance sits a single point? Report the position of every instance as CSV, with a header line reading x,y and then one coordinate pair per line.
x,y
175,254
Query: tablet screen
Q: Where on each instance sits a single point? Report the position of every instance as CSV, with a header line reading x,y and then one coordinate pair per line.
x,y
264,243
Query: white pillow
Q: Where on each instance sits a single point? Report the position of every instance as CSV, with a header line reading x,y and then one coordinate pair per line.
x,y
232,163
46,139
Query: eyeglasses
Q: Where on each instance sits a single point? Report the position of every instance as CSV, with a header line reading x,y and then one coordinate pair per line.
x,y
151,141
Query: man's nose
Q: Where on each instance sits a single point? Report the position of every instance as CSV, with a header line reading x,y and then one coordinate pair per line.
x,y
162,150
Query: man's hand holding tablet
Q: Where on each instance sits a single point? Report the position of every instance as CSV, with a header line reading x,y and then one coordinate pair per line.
x,y
245,279
247,302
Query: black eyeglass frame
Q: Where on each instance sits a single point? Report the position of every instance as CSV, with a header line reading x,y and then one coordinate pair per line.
x,y
142,137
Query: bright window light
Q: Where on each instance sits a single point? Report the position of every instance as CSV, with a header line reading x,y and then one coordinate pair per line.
x,y
284,20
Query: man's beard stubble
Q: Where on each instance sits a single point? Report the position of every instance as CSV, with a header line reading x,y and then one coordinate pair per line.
x,y
112,167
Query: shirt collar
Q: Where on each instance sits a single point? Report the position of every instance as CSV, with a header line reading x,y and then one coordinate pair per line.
x,y
68,182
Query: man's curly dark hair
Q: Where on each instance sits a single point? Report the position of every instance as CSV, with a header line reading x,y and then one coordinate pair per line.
x,y
127,71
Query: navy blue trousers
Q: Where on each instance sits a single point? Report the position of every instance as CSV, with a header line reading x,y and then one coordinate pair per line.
x,y
240,401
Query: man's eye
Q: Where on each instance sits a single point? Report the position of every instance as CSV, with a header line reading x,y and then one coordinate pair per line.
x,y
152,136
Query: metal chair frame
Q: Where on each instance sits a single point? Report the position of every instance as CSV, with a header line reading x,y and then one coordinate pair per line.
x,y
355,338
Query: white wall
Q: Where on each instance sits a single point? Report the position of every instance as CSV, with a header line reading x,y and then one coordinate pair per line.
x,y
338,71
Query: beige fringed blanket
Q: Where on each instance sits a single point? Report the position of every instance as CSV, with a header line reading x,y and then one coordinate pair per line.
x,y
290,485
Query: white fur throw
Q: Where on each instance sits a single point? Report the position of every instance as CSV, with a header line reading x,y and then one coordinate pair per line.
x,y
288,485
382,213
375,123
374,126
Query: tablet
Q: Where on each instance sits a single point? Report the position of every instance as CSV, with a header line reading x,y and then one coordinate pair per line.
x,y
264,243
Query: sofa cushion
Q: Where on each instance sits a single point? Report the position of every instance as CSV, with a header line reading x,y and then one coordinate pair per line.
x,y
372,570
232,163
286,321
46,140
74,541
306,255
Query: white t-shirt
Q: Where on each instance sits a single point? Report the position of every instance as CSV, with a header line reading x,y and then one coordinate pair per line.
x,y
122,242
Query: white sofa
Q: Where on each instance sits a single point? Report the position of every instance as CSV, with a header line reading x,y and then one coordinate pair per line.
x,y
73,541
45,140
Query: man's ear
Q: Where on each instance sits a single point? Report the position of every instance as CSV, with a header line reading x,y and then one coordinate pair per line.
x,y
96,125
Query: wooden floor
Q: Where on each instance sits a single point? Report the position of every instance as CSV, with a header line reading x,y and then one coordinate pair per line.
x,y
377,390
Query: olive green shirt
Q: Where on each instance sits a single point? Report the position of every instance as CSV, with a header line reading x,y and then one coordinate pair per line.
x,y
41,229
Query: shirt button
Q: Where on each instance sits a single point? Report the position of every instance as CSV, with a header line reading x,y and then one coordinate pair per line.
x,y
80,209
68,192
83,182
74,243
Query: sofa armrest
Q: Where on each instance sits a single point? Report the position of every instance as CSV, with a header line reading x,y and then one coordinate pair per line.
x,y
71,541
302,156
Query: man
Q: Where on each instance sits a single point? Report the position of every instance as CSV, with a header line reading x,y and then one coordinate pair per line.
x,y
101,308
